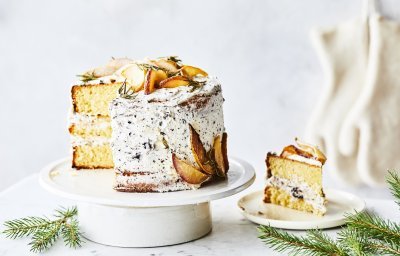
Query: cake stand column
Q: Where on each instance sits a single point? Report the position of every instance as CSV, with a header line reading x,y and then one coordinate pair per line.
x,y
144,226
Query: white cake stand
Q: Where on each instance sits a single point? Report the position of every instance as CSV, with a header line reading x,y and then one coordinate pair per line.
x,y
140,219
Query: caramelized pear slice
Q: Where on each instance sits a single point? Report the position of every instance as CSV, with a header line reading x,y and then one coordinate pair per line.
x,y
221,154
134,75
191,72
150,81
174,81
225,151
188,173
112,66
199,152
313,150
160,76
168,65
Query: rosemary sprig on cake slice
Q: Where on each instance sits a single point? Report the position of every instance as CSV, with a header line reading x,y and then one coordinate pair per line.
x,y
45,232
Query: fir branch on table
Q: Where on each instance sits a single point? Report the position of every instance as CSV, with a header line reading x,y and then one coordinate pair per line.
x,y
393,179
364,234
45,232
314,244
355,242
375,227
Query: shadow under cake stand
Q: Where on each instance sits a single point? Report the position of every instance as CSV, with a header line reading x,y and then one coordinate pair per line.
x,y
140,219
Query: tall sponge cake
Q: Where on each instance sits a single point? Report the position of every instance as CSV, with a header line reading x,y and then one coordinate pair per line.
x,y
89,123
294,179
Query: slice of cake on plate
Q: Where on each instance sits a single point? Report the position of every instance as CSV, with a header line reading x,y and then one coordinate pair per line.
x,y
168,129
89,122
294,178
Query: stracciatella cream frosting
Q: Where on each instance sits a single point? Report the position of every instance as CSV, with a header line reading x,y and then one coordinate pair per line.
x,y
148,128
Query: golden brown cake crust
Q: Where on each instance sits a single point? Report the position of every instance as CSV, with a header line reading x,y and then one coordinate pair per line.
x,y
269,154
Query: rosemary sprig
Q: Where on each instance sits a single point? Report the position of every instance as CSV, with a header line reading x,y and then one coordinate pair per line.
x,y
196,84
146,66
44,231
175,59
365,234
86,77
126,92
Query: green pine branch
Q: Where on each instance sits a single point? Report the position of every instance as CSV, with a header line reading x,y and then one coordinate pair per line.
x,y
393,179
375,226
355,243
364,234
314,244
44,231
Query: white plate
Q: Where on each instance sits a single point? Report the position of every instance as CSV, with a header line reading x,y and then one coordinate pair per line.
x,y
339,203
96,186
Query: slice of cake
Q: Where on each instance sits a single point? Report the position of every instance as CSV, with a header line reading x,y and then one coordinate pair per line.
x,y
89,122
294,178
168,134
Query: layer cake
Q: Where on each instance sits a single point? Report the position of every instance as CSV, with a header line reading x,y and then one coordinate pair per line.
x,y
294,178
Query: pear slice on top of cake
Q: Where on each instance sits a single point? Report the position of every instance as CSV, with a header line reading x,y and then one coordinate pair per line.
x,y
294,178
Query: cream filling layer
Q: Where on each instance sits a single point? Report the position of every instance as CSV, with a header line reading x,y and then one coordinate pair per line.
x,y
92,122
304,160
93,141
299,190
89,120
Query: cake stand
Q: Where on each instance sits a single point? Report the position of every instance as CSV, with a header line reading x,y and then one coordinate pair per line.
x,y
140,219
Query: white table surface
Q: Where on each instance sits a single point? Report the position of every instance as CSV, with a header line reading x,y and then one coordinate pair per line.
x,y
232,234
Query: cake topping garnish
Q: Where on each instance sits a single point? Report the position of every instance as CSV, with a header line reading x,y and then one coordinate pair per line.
x,y
305,150
126,92
200,155
150,81
168,65
175,81
109,69
190,72
221,154
134,76
187,172
212,163
165,72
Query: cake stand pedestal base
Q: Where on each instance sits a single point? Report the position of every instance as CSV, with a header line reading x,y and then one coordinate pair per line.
x,y
140,219
144,226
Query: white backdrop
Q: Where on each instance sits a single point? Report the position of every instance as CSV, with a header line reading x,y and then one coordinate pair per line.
x,y
260,50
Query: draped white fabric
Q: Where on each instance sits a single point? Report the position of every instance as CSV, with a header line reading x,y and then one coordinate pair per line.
x,y
357,122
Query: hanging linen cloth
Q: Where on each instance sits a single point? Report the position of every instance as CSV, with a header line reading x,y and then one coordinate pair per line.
x,y
357,121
